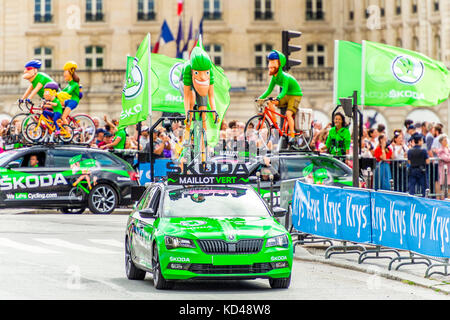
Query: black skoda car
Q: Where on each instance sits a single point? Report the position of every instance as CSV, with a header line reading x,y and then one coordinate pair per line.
x,y
67,178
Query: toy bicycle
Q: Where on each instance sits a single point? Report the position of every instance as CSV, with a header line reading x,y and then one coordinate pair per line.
x,y
43,128
197,143
259,127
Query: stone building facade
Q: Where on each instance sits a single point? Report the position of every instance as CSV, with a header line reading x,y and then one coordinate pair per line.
x,y
238,34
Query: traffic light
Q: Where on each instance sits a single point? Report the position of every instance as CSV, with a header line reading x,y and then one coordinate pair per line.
x,y
287,49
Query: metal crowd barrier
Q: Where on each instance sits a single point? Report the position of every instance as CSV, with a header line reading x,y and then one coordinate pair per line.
x,y
365,251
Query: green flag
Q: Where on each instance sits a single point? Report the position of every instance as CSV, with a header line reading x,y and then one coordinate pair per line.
x,y
166,94
397,77
135,93
347,69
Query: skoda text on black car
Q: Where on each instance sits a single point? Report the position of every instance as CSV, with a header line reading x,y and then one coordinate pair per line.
x,y
199,231
66,178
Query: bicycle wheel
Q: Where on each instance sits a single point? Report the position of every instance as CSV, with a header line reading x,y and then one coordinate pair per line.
x,y
258,129
83,129
303,140
31,118
66,135
14,132
195,147
34,133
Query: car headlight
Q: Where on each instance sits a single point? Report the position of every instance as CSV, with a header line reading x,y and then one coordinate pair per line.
x,y
278,241
175,242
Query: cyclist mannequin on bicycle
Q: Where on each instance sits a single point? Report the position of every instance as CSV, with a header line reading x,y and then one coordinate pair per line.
x,y
71,94
291,93
197,84
52,106
37,80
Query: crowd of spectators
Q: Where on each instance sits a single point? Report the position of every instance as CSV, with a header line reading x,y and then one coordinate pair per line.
x,y
384,148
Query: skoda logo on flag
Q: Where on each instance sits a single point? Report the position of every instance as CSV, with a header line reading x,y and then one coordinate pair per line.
x,y
175,75
408,70
134,83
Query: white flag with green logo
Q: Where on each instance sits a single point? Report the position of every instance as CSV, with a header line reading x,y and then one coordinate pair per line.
x,y
136,99
393,76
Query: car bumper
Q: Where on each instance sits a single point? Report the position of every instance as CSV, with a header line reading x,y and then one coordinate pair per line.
x,y
185,264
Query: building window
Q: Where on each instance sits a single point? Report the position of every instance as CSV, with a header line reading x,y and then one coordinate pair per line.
x,y
261,52
44,54
94,10
366,10
351,12
398,7
146,10
314,10
215,52
315,55
94,57
212,10
414,6
382,6
437,44
263,10
436,5
415,43
43,11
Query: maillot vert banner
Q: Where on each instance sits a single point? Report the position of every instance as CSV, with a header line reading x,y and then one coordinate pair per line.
x,y
390,220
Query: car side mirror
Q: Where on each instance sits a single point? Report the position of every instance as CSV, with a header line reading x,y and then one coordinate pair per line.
x,y
13,165
147,213
279,212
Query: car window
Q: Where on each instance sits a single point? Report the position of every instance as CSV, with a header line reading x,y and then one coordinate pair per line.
x,y
145,199
29,160
300,167
214,202
154,203
6,156
334,167
106,160
295,167
61,158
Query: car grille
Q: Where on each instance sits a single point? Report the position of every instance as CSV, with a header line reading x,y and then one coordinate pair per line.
x,y
223,247
230,269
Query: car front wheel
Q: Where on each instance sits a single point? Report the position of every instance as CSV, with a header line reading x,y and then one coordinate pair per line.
x,y
133,273
158,279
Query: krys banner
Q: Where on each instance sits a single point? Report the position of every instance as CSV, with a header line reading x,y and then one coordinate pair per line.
x,y
331,212
411,223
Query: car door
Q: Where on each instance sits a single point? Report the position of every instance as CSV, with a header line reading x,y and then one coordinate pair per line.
x,y
148,224
25,185
63,163
138,241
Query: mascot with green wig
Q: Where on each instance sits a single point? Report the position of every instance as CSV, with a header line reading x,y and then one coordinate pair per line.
x,y
197,84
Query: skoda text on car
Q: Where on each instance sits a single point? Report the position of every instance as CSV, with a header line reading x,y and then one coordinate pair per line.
x,y
66,178
206,232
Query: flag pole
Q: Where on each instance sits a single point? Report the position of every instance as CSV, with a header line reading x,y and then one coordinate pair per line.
x,y
149,79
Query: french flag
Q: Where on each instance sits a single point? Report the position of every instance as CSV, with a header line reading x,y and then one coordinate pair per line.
x,y
180,7
165,37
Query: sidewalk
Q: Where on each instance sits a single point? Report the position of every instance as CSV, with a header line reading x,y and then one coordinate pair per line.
x,y
410,274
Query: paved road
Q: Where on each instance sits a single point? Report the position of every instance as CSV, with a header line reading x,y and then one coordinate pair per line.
x,y
53,256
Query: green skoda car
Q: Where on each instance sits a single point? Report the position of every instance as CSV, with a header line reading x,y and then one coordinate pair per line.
x,y
206,232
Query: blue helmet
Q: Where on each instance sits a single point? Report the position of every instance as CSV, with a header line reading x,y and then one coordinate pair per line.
x,y
273,55
34,64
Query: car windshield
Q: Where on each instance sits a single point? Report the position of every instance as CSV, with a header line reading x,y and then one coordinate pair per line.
x,y
214,202
6,156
